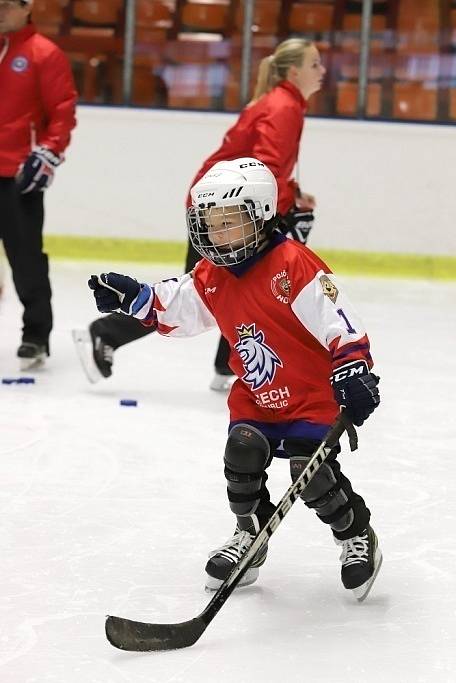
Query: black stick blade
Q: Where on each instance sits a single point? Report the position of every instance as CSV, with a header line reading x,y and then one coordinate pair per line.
x,y
139,637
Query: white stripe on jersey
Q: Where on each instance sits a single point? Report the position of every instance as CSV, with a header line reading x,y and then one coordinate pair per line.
x,y
183,306
324,319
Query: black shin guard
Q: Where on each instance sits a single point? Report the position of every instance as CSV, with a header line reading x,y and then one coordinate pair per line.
x,y
247,454
329,493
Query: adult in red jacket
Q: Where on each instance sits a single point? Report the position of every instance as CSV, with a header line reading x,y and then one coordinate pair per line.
x,y
37,114
268,129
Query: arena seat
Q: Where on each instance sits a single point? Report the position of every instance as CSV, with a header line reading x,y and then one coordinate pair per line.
x,y
265,17
310,17
347,97
196,101
151,14
452,104
232,91
418,25
231,101
414,101
48,16
90,16
152,22
204,17
150,36
352,22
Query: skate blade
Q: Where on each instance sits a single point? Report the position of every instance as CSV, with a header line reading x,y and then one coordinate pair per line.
x,y
83,344
363,591
249,577
32,363
222,383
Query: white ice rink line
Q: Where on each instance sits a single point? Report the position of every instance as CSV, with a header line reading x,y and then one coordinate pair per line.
x,y
106,509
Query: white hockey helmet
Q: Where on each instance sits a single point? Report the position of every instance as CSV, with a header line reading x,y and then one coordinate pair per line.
x,y
233,206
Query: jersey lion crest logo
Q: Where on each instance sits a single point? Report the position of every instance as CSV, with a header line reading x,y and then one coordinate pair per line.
x,y
259,360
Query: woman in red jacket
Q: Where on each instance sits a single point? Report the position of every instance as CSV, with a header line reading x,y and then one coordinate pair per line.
x,y
37,105
268,129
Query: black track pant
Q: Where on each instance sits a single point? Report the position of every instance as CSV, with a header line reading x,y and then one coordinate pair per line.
x,y
117,329
21,229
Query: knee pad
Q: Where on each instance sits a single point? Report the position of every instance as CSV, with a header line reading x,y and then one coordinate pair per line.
x,y
324,494
247,455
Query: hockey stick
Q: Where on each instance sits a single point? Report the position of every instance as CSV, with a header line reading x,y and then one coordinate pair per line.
x,y
142,637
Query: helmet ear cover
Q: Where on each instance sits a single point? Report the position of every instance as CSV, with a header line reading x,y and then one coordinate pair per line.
x,y
271,225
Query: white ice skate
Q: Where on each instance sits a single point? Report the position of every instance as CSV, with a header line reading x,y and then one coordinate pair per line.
x,y
31,356
361,561
96,357
222,560
222,383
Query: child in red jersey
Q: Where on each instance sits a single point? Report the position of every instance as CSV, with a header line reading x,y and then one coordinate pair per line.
x,y
298,349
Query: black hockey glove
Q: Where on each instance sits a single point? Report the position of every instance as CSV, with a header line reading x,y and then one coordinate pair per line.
x,y
355,388
37,171
297,224
114,292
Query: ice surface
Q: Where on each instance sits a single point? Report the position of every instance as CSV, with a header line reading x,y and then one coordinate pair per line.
x,y
112,510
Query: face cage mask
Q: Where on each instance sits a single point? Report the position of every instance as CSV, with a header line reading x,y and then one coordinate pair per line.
x,y
241,224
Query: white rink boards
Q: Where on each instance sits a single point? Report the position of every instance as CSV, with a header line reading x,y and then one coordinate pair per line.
x,y
110,509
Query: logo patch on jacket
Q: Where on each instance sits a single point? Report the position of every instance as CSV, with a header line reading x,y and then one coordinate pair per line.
x,y
329,288
259,360
281,287
19,64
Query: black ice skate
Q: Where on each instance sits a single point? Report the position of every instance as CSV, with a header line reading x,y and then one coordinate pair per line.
x,y
31,356
222,560
361,560
95,354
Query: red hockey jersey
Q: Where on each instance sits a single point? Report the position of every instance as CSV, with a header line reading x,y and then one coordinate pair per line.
x,y
289,325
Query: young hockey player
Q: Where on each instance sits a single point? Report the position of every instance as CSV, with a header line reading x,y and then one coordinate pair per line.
x,y
298,349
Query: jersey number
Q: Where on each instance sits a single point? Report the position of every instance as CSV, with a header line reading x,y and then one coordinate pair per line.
x,y
350,329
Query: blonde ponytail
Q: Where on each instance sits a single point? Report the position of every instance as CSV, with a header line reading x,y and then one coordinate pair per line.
x,y
265,77
274,68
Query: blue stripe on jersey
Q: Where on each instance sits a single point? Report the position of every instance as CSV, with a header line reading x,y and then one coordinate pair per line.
x,y
348,350
141,299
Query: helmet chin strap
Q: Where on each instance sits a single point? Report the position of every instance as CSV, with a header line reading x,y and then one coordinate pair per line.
x,y
270,225
267,230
